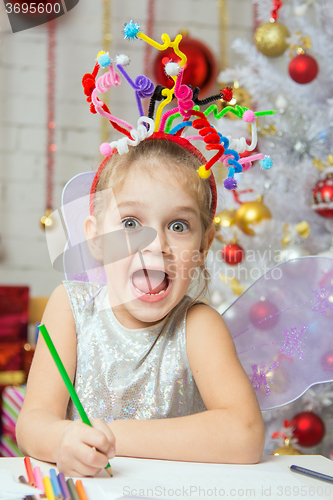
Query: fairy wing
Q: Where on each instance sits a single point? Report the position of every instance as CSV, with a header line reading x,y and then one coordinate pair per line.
x,y
282,327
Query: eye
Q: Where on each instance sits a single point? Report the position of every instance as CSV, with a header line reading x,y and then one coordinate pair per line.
x,y
130,224
178,226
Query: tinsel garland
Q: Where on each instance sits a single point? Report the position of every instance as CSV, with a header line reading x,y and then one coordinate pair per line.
x,y
106,45
50,145
148,48
223,33
150,33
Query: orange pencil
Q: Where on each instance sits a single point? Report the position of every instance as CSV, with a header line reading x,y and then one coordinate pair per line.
x,y
81,491
28,468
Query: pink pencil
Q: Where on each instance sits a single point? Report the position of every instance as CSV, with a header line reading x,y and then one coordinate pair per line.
x,y
38,478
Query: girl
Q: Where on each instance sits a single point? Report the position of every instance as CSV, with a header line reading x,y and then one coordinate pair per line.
x,y
156,371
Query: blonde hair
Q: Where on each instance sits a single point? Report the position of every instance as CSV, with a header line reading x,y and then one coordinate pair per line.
x,y
182,164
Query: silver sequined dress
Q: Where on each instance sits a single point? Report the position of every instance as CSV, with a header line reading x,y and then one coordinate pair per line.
x,y
123,373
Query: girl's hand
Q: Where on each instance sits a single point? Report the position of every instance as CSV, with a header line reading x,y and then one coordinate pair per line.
x,y
84,450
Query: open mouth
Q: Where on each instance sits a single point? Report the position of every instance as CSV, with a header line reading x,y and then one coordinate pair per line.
x,y
150,282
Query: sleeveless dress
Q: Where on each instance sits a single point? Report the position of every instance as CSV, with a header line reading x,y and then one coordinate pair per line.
x,y
123,373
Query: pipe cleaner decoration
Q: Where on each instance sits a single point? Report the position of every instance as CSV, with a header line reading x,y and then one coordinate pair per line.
x,y
227,149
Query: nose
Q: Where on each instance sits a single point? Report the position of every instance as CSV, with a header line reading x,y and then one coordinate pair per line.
x,y
160,245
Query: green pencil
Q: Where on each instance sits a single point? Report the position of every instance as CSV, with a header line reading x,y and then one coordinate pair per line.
x,y
68,382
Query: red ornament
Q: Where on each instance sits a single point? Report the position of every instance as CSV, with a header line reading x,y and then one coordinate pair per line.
x,y
233,254
200,69
264,315
303,68
322,197
309,429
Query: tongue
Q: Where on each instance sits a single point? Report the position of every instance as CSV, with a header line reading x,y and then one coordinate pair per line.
x,y
148,281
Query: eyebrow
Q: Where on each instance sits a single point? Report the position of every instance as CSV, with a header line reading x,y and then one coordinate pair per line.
x,y
138,204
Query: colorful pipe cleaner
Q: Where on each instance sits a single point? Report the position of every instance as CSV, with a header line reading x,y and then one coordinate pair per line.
x,y
227,149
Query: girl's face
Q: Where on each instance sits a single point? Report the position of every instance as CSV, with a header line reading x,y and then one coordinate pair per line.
x,y
145,286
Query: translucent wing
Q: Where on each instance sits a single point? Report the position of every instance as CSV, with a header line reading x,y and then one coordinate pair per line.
x,y
282,327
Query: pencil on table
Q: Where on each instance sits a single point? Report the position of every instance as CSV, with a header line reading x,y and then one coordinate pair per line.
x,y
80,489
67,382
23,480
72,489
55,485
63,486
30,474
38,478
48,488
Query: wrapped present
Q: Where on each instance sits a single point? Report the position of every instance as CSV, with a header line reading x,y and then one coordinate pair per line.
x,y
12,401
14,307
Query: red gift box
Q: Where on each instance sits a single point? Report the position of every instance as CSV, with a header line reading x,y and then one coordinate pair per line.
x,y
14,306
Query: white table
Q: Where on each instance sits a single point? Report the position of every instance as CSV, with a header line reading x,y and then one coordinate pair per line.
x,y
160,479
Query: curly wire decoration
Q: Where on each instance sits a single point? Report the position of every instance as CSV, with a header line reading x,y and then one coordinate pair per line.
x,y
143,87
157,96
89,84
103,84
138,135
211,138
184,95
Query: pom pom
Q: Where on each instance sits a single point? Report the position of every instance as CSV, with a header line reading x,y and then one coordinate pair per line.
x,y
249,116
105,149
131,30
104,60
266,163
122,60
203,173
230,183
226,94
171,68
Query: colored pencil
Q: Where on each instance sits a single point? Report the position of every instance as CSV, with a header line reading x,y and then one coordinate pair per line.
x,y
48,488
28,468
81,491
72,489
67,382
55,485
38,478
63,486
23,480
311,473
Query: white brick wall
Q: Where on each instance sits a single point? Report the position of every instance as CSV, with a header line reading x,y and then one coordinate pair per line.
x,y
23,65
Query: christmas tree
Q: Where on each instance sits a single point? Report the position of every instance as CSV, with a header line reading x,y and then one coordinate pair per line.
x,y
287,211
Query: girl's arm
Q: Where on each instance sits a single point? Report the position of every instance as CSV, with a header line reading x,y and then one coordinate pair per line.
x,y
230,431
42,431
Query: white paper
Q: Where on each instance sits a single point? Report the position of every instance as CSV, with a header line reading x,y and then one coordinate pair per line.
x,y
12,490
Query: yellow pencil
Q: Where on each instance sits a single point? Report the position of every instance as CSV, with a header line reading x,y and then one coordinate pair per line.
x,y
48,488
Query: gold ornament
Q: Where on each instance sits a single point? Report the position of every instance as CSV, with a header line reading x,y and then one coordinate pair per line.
x,y
251,213
287,449
224,219
46,221
270,39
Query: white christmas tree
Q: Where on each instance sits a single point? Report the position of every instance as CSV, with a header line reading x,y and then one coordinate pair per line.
x,y
299,139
